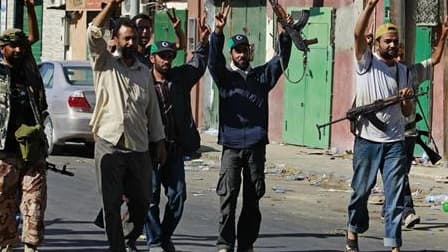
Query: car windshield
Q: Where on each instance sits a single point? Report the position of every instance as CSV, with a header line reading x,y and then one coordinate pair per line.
x,y
79,75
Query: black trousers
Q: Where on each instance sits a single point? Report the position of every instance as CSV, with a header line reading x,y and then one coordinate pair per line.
x,y
251,163
121,172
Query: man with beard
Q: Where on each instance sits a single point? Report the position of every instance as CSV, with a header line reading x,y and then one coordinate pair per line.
x,y
418,73
144,29
125,121
22,102
379,137
173,87
243,130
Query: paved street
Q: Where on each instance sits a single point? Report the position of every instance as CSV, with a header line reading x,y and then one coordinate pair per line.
x,y
305,215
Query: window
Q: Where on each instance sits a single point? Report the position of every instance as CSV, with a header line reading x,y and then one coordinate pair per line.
x,y
46,72
79,75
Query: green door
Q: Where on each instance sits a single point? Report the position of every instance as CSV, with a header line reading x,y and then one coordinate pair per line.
x,y
247,17
423,51
308,102
163,30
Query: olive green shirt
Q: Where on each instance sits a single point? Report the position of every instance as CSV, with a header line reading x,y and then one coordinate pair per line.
x,y
127,110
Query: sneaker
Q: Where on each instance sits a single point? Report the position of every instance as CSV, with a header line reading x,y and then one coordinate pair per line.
x,y
223,250
411,220
168,246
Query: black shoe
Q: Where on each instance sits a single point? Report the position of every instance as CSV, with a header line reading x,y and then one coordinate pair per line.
x,y
168,246
131,247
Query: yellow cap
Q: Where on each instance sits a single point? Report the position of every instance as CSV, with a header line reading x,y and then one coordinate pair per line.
x,y
385,28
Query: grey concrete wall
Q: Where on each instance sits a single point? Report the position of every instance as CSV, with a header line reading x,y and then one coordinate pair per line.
x,y
53,33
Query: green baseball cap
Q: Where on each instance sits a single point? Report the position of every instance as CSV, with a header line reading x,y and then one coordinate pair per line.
x,y
163,46
238,39
12,35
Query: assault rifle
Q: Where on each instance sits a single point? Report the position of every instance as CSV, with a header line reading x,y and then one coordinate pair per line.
x,y
52,167
294,30
433,155
368,110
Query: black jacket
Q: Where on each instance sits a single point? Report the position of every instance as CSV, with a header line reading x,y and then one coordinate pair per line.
x,y
181,80
243,101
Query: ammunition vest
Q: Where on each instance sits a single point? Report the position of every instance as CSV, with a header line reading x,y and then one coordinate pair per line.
x,y
5,103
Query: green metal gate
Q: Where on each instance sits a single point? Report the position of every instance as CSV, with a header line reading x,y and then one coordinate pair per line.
x,y
309,102
423,51
163,30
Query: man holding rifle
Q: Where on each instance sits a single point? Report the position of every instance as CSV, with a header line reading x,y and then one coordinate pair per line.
x,y
22,103
417,74
379,142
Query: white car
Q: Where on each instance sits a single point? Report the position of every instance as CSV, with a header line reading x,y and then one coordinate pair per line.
x,y
71,99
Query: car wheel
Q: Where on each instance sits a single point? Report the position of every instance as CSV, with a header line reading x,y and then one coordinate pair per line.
x,y
49,133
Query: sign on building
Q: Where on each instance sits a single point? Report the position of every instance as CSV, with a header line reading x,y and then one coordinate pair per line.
x,y
72,5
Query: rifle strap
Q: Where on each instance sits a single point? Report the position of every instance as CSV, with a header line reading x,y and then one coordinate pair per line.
x,y
375,121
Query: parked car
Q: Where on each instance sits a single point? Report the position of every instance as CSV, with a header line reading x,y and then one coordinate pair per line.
x,y
71,99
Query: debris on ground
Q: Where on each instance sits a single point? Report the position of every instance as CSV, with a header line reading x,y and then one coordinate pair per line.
x,y
278,189
329,181
436,198
296,177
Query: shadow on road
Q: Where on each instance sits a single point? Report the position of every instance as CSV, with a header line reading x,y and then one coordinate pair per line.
x,y
430,226
319,250
75,150
205,148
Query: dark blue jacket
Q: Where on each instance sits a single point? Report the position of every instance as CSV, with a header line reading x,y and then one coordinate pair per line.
x,y
181,80
243,102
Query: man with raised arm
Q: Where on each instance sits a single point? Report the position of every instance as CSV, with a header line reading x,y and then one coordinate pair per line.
x,y
144,25
173,86
379,141
243,130
125,121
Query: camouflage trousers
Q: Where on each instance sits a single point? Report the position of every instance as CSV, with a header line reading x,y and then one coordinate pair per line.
x,y
29,187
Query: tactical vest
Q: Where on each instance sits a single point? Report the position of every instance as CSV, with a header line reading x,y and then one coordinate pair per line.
x,y
5,106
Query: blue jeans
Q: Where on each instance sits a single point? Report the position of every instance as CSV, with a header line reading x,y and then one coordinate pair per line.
x,y
408,203
172,177
370,157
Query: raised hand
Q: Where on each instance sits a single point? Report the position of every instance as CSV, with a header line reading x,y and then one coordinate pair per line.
x,y
445,25
221,17
373,2
204,29
175,21
29,3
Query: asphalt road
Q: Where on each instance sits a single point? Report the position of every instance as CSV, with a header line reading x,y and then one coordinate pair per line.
x,y
302,219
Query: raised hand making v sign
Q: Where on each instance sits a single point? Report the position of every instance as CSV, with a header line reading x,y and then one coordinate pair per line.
x,y
221,17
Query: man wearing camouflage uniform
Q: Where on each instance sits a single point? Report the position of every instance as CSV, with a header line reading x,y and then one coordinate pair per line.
x,y
22,101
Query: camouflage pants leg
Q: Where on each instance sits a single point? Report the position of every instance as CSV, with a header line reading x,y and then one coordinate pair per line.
x,y
9,182
33,204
